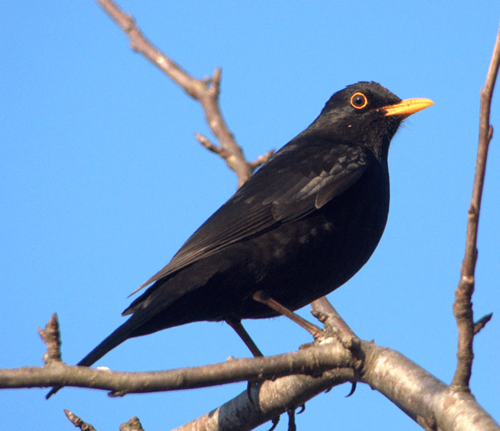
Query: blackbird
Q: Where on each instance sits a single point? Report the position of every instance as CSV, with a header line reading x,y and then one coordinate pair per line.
x,y
299,228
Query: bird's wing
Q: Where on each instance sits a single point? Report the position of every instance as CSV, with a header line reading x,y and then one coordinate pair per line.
x,y
334,173
290,186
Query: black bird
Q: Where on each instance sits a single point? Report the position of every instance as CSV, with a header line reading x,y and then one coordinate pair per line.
x,y
299,228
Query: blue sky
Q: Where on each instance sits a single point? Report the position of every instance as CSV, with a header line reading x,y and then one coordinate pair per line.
x,y
102,181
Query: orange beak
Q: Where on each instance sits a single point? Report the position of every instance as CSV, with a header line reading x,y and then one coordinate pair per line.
x,y
406,107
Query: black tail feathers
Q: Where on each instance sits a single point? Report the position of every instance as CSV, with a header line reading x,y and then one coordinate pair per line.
x,y
121,334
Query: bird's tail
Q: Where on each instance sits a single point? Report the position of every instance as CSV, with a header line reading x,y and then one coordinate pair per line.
x,y
121,334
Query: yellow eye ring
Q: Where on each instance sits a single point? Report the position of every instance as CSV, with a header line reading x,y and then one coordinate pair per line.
x,y
359,100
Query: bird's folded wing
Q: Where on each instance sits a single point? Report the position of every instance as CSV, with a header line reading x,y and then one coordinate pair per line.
x,y
295,188
310,192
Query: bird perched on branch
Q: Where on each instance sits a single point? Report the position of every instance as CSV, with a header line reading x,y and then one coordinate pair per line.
x,y
299,228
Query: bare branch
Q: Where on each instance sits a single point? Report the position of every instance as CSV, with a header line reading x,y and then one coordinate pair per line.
x,y
205,91
462,308
309,361
321,365
273,398
209,145
385,370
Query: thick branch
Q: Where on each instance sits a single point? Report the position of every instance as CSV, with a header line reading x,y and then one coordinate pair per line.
x,y
419,394
320,366
268,401
462,308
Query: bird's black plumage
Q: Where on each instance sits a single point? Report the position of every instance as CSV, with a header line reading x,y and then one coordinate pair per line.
x,y
300,227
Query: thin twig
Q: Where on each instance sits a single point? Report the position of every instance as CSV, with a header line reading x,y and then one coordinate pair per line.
x,y
481,323
259,161
134,424
77,422
462,308
52,338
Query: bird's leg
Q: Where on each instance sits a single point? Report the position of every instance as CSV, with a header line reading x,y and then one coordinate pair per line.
x,y
245,336
262,297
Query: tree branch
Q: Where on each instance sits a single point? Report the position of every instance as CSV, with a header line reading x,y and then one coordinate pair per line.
x,y
329,361
462,308
416,392
205,91
311,361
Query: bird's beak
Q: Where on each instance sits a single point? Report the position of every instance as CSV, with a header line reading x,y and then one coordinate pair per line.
x,y
406,107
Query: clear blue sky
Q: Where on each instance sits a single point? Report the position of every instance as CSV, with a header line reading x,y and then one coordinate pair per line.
x,y
102,181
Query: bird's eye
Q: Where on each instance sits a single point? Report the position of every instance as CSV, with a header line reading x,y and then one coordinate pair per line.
x,y
359,100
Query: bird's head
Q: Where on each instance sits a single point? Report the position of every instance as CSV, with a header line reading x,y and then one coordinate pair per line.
x,y
365,114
